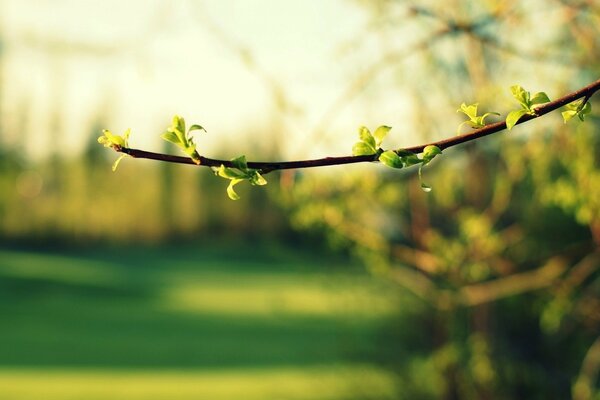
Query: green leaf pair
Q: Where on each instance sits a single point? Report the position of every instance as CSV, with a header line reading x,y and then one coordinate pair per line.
x,y
369,144
239,173
401,159
475,121
108,139
177,135
579,108
527,103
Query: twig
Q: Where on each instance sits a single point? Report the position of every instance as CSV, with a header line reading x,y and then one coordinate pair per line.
x,y
266,166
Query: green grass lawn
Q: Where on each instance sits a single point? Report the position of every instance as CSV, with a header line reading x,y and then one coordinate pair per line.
x,y
154,323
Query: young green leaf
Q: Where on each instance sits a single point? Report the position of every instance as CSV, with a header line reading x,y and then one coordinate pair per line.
x,y
521,95
408,158
469,110
240,163
363,149
391,159
117,162
108,139
257,179
366,145
474,121
365,136
539,98
380,134
176,134
230,189
577,108
196,127
171,137
239,172
230,173
429,153
513,117
178,123
527,102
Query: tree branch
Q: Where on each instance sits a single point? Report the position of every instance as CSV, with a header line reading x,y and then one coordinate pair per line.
x,y
265,167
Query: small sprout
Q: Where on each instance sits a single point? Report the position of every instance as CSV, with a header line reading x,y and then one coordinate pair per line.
x,y
429,153
579,108
391,159
239,173
514,116
368,143
108,139
177,135
401,158
527,103
475,121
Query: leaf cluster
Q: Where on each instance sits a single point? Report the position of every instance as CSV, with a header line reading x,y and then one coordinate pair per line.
x,y
177,135
579,108
116,142
368,143
527,103
239,173
400,159
475,121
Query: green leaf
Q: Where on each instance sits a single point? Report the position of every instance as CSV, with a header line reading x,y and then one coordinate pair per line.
x,y
539,98
230,189
257,179
230,173
408,158
116,164
429,153
240,163
196,127
126,137
567,115
513,117
469,110
110,140
380,134
178,123
363,149
474,121
183,140
487,114
391,159
577,108
171,137
587,108
365,136
521,95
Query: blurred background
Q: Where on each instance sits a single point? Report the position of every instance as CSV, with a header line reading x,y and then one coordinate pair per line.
x,y
333,283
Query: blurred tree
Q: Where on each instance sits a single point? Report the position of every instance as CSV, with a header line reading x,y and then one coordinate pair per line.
x,y
505,252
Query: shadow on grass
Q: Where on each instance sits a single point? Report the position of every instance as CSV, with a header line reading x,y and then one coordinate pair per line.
x,y
64,311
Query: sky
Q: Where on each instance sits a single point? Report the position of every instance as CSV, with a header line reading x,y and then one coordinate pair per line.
x,y
137,63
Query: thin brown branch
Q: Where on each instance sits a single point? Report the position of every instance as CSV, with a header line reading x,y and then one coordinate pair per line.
x,y
585,92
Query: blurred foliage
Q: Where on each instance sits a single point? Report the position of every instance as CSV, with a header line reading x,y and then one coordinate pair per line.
x,y
80,200
504,252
